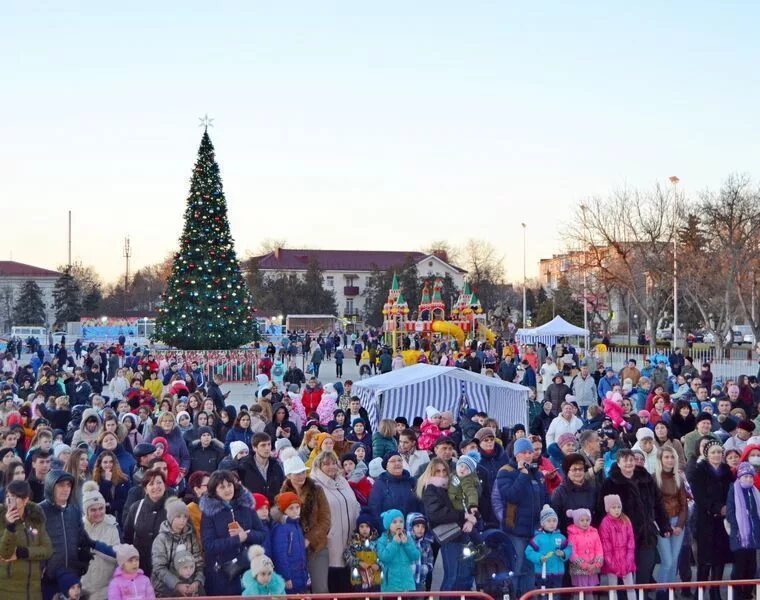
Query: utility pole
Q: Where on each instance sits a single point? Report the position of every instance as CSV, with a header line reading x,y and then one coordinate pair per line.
x,y
674,180
525,280
69,264
127,255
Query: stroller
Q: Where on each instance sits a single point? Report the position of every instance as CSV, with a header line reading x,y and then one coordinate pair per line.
x,y
492,574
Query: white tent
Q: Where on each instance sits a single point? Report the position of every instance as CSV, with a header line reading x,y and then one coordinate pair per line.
x,y
406,392
548,333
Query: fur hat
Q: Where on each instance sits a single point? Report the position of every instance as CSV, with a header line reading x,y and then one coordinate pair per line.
x,y
744,424
612,500
237,447
431,412
522,445
389,515
286,499
547,512
175,508
124,552
485,432
576,514
259,560
183,558
91,496
470,460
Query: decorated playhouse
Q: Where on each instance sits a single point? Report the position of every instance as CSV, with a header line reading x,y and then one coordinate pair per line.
x,y
467,316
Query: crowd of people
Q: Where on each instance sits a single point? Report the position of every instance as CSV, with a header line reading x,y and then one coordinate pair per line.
x,y
142,481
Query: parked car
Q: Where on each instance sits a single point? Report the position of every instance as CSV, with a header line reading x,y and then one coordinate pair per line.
x,y
743,335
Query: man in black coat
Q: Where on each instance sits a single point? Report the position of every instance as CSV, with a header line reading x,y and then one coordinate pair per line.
x,y
205,453
260,473
642,503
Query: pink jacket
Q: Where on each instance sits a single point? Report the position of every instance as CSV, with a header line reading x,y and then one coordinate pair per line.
x,y
618,545
130,587
587,557
613,409
327,406
429,433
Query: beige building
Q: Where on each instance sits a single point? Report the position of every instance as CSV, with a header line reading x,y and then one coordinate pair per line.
x,y
13,275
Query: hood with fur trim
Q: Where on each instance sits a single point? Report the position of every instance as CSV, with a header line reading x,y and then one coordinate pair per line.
x,y
213,506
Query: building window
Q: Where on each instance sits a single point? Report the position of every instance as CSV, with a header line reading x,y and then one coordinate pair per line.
x,y
330,281
349,306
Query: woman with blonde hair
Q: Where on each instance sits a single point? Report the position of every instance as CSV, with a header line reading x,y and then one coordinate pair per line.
x,y
383,440
671,484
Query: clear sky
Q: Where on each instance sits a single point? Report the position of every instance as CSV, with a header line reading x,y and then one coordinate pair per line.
x,y
380,125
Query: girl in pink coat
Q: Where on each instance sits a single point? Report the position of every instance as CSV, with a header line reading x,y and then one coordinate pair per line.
x,y
430,429
613,408
588,556
129,582
616,533
327,405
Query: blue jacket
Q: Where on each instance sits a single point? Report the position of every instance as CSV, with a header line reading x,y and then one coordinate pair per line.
x,y
219,546
393,492
289,554
734,539
542,543
127,462
605,385
517,499
251,587
397,561
424,564
236,434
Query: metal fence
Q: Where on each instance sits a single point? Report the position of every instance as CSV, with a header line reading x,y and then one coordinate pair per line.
x,y
362,596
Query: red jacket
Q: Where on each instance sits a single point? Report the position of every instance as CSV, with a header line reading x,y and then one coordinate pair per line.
x,y
173,473
311,398
361,488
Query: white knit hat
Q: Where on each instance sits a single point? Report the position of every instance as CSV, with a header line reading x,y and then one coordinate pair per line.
x,y
431,411
294,465
237,447
91,496
259,560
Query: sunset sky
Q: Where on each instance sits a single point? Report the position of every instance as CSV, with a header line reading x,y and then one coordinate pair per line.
x,y
361,125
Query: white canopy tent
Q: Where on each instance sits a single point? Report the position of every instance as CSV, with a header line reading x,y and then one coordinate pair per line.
x,y
550,332
406,392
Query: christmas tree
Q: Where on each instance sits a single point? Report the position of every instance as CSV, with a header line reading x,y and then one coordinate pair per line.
x,y
206,304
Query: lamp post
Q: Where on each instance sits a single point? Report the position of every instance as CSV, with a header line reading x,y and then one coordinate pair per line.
x,y
525,279
674,180
584,208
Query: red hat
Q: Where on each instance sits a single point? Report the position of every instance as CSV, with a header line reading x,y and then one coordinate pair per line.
x,y
286,499
261,501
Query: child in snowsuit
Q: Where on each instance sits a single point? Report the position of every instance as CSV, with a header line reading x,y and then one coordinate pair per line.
x,y
464,491
430,429
618,544
289,544
548,550
588,556
361,556
260,579
129,582
397,553
417,530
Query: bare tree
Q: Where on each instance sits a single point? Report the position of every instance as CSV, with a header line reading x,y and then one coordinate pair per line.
x,y
626,238
485,268
443,248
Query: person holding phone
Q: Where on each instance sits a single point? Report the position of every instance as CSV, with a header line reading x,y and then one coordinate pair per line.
x,y
281,425
24,543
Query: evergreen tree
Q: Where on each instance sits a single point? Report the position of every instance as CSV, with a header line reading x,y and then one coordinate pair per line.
x,y
206,304
91,301
560,303
66,298
314,297
29,308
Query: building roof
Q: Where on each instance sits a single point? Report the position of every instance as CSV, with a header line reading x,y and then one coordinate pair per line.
x,y
11,268
339,260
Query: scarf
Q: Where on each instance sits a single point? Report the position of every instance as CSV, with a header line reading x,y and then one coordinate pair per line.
x,y
742,512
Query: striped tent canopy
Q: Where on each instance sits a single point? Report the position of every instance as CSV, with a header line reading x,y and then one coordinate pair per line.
x,y
406,392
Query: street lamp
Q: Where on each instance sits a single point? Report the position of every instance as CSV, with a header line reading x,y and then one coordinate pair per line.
x,y
525,279
674,180
584,208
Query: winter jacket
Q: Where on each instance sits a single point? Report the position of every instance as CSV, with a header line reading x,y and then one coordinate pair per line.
x,y
81,434
710,490
464,492
164,577
205,459
560,426
130,587
424,564
618,546
555,393
364,550
315,513
606,384
251,477
311,398
173,474
251,587
141,527
570,496
588,556
543,543
381,445
177,446
237,434
327,405
21,578
102,566
219,546
429,433
517,499
126,460
344,508
753,508
393,492
59,419
584,390
271,428
437,507
289,554
642,504
397,561
66,531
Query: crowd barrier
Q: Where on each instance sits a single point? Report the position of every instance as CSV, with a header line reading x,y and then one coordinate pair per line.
x,y
362,596
232,365
641,589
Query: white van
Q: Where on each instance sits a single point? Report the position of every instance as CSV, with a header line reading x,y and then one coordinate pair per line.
x,y
26,331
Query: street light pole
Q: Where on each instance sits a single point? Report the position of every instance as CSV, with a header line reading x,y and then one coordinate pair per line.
x,y
584,208
525,280
674,180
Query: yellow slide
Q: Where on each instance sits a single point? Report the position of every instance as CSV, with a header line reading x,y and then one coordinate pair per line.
x,y
454,331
